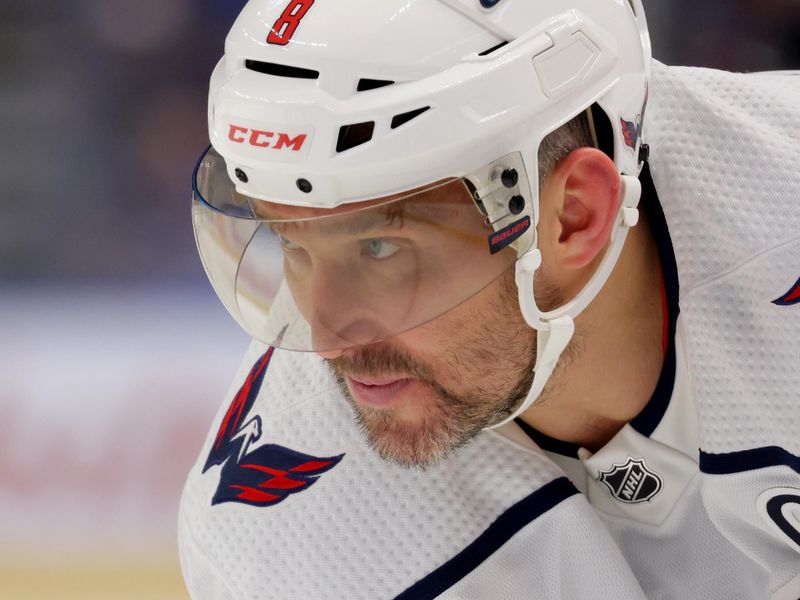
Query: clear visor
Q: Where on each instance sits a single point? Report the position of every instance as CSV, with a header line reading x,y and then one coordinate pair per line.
x,y
330,279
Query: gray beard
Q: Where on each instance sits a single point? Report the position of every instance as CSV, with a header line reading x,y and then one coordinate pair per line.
x,y
456,421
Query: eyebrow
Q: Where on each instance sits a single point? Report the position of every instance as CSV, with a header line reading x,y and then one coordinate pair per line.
x,y
368,221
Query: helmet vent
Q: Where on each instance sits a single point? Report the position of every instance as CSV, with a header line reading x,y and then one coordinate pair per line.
x,y
405,117
354,135
280,70
365,85
492,49
605,133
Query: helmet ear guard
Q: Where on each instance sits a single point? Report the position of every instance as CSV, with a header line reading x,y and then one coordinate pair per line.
x,y
555,328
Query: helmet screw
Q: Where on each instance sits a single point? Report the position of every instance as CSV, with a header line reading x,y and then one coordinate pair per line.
x,y
516,205
304,185
241,175
488,3
644,153
509,177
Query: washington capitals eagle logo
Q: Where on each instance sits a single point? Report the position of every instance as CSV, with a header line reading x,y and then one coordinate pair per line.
x,y
270,473
631,131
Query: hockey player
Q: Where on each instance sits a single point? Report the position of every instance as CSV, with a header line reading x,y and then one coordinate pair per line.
x,y
515,335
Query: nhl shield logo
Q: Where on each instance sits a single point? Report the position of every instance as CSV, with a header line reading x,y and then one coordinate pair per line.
x,y
631,482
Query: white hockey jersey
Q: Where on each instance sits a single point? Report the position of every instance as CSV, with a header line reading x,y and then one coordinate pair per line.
x,y
698,497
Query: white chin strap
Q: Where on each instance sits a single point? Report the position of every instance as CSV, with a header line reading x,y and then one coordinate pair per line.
x,y
555,328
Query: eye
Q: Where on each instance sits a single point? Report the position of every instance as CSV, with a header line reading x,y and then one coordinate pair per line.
x,y
380,248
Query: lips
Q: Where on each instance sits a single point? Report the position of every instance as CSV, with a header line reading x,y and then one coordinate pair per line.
x,y
378,392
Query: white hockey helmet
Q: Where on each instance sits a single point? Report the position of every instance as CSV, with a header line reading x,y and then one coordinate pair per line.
x,y
374,164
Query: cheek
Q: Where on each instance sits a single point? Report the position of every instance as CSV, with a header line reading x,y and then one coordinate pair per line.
x,y
480,346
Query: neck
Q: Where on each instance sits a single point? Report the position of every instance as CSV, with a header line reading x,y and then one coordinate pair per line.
x,y
612,372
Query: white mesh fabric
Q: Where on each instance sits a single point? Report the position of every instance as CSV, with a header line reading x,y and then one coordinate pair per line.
x,y
557,558
724,150
746,354
202,578
686,557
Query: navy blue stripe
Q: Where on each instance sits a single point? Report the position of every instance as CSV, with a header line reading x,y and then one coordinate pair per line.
x,y
747,460
647,420
503,529
545,442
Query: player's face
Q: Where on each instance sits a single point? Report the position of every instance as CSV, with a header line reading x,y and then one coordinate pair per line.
x,y
364,275
422,394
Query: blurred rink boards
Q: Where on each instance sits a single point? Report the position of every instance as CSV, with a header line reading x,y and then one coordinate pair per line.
x,y
106,395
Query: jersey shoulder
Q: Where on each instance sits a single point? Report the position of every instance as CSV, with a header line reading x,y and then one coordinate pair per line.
x,y
724,150
723,158
724,162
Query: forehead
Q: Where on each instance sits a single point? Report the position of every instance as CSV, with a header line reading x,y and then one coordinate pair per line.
x,y
428,198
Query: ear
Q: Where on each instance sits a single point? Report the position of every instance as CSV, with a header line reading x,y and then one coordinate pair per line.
x,y
583,195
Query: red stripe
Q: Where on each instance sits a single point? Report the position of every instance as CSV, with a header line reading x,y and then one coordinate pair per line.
x,y
313,465
792,295
263,469
281,483
665,313
236,404
240,400
254,495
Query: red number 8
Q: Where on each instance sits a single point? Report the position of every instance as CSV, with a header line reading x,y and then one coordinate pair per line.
x,y
284,28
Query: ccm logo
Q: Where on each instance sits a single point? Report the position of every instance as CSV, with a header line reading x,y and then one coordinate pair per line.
x,y
266,139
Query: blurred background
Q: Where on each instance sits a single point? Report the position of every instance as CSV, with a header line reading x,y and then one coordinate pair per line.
x,y
114,352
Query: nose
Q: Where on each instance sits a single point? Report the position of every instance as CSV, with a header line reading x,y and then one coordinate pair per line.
x,y
346,335
343,315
